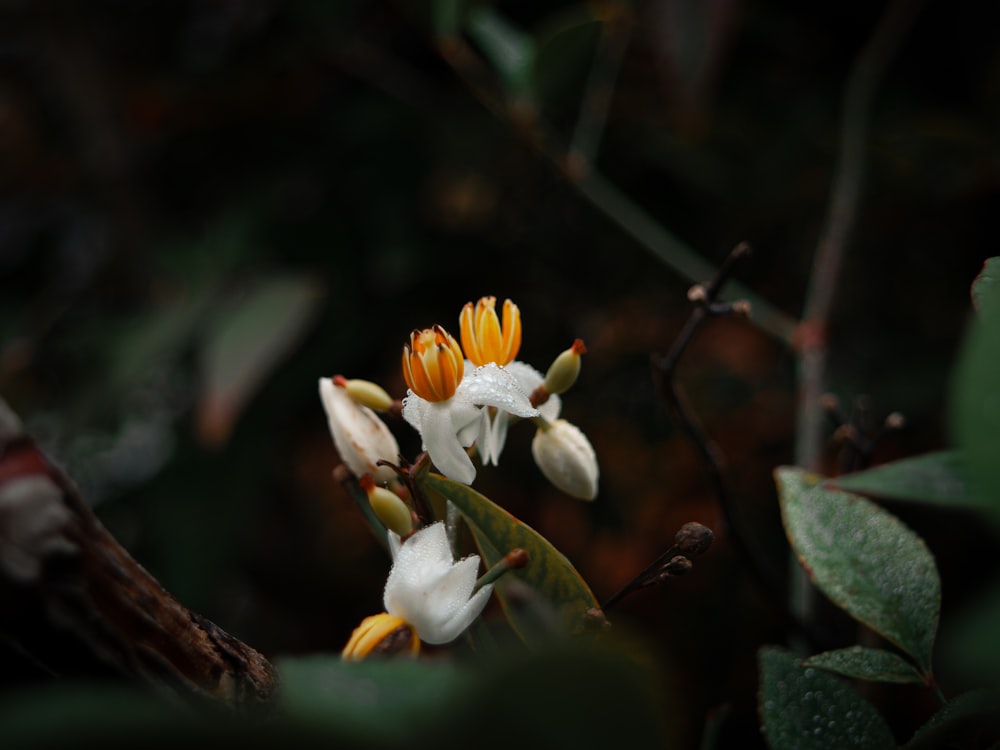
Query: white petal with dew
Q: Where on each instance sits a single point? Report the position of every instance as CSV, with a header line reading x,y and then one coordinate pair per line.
x,y
491,385
360,436
429,590
529,379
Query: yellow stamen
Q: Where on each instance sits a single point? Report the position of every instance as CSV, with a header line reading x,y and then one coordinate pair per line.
x,y
485,338
381,634
433,364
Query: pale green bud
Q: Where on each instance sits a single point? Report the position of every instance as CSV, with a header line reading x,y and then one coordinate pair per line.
x,y
391,510
367,393
565,368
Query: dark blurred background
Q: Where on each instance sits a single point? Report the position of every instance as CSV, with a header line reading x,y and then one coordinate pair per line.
x,y
206,206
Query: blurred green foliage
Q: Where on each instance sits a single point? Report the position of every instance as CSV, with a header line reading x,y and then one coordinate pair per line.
x,y
178,177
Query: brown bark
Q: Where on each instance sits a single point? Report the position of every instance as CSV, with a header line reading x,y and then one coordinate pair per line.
x,y
74,601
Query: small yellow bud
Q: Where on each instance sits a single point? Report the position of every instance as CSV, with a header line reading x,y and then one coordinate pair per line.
x,y
365,392
381,634
564,369
388,506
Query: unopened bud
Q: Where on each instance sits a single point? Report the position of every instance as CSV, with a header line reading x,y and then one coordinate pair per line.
x,y
365,392
566,458
693,538
388,506
895,421
742,307
362,439
565,368
676,566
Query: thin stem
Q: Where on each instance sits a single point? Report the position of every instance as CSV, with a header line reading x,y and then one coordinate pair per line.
x,y
840,221
664,371
651,235
838,229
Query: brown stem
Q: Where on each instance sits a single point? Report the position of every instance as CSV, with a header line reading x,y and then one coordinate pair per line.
x,y
74,600
664,371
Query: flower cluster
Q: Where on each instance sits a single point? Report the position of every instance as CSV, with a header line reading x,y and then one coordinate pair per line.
x,y
462,399
465,396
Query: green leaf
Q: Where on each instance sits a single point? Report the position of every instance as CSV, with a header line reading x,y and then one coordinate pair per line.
x,y
376,700
875,664
986,286
938,478
569,694
962,722
550,579
975,407
803,708
970,643
510,50
864,559
247,341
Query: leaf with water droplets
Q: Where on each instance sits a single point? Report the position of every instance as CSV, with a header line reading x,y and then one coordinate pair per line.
x,y
864,559
803,708
875,664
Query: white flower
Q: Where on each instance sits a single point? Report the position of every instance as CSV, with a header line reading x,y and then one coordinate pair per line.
x,y
487,340
566,458
429,590
361,438
445,401
493,431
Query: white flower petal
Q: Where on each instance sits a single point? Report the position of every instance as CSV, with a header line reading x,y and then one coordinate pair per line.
x,y
429,590
529,379
442,444
360,436
491,385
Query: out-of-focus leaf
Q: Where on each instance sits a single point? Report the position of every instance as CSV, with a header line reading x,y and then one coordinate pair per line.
x,y
986,286
970,643
245,343
569,694
375,700
937,478
511,51
961,722
864,559
153,340
862,663
975,402
566,51
804,708
552,581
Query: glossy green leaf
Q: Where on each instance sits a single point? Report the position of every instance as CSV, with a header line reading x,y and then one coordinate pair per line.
x,y
986,286
938,478
804,708
864,559
975,406
548,581
875,664
510,50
